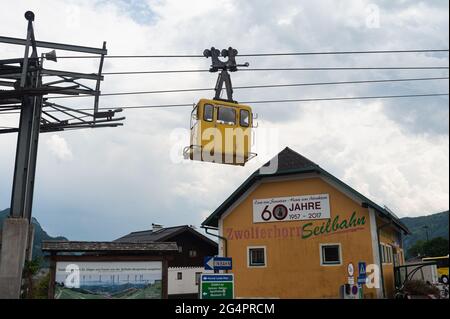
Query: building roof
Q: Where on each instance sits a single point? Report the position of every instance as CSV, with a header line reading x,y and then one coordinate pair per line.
x,y
162,235
289,163
89,246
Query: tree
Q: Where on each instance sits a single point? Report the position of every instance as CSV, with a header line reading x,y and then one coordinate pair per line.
x,y
435,247
30,269
416,249
40,290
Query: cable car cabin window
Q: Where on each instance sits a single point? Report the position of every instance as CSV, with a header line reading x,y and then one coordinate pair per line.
x,y
226,115
208,112
244,116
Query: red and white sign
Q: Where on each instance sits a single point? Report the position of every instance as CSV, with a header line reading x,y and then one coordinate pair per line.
x,y
293,208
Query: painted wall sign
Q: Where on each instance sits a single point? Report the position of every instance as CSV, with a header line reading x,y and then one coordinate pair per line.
x,y
337,225
293,208
108,280
334,226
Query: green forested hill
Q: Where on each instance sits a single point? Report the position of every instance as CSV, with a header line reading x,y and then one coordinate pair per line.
x,y
437,227
39,234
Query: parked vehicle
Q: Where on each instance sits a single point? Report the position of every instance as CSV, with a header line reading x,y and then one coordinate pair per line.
x,y
442,267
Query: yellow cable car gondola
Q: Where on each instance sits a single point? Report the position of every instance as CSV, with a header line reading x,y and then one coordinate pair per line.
x,y
221,128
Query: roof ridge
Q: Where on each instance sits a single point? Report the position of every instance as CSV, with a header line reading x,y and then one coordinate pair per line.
x,y
155,231
162,234
288,159
140,231
170,227
288,149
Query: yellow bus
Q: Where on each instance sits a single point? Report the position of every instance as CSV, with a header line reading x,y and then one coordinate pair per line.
x,y
442,267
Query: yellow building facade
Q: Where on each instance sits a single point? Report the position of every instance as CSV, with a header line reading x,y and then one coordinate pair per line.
x,y
299,232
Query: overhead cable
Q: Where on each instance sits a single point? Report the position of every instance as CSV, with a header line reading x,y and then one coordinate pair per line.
x,y
259,54
264,101
261,86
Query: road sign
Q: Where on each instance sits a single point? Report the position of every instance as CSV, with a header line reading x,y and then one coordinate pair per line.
x,y
216,286
361,280
218,263
351,280
350,292
208,263
350,269
362,276
360,291
362,268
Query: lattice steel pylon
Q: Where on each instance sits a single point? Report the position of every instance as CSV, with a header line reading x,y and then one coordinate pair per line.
x,y
28,92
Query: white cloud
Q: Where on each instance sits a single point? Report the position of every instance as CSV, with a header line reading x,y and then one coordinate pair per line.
x,y
288,18
58,146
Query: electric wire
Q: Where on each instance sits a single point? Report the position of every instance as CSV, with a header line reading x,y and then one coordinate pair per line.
x,y
264,101
285,69
9,111
258,54
299,100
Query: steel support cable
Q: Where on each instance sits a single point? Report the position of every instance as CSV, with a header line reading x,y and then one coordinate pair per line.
x,y
440,67
267,101
262,54
261,86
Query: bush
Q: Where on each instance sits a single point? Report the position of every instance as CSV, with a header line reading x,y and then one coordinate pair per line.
x,y
421,288
40,290
30,269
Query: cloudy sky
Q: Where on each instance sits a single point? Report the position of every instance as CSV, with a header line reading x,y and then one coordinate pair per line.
x,y
101,184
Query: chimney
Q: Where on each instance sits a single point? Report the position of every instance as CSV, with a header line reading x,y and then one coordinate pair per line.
x,y
156,227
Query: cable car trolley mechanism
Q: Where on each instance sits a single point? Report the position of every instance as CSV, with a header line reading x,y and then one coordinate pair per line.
x,y
221,128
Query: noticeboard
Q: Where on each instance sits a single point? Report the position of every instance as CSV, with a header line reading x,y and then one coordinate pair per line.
x,y
108,280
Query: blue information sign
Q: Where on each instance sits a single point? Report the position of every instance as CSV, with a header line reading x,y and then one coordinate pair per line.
x,y
362,275
216,277
218,263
